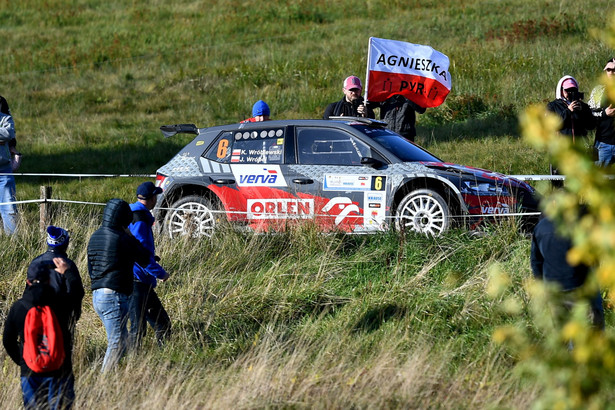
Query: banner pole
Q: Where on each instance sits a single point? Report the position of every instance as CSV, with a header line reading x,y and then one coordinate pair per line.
x,y
369,56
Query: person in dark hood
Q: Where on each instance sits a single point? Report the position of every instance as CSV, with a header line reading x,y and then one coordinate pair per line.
x,y
49,389
112,253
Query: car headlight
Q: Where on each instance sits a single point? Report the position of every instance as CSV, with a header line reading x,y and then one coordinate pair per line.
x,y
483,188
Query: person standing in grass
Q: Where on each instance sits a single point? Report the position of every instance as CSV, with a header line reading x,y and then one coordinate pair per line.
x,y
52,388
549,263
575,114
260,112
604,112
400,115
68,285
145,306
112,253
8,210
351,104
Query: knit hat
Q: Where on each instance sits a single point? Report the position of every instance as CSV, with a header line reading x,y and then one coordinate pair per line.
x,y
569,83
352,82
260,108
57,236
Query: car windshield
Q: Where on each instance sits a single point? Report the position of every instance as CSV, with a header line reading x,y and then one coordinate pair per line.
x,y
396,144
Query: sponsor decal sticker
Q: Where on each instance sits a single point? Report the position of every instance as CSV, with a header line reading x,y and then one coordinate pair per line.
x,y
337,182
280,208
258,175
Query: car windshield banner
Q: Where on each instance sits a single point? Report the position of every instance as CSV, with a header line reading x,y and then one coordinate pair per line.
x,y
417,72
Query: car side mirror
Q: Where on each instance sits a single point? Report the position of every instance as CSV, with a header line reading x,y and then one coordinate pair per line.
x,y
371,162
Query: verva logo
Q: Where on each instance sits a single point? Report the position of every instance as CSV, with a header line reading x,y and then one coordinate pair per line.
x,y
258,175
499,208
280,208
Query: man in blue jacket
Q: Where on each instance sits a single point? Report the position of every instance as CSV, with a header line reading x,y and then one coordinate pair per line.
x,y
145,306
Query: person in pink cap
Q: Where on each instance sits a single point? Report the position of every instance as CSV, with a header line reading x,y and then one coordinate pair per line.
x,y
352,104
577,117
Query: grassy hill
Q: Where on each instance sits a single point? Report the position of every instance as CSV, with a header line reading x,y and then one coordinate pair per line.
x,y
298,320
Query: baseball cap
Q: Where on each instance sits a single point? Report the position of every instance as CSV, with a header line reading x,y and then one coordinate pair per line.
x,y
352,82
611,60
147,190
39,271
569,83
260,108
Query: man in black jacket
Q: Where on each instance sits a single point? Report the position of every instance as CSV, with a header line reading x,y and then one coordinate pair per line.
x,y
549,263
604,112
112,252
52,389
400,115
68,285
352,104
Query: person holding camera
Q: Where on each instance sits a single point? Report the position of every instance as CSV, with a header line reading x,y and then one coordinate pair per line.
x,y
352,104
577,117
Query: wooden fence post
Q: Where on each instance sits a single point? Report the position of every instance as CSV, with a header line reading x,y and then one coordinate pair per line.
x,y
45,207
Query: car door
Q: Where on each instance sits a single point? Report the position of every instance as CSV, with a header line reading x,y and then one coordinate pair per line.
x,y
328,172
253,179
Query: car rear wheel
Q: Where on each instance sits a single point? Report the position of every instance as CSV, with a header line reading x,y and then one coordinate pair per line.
x,y
193,216
423,211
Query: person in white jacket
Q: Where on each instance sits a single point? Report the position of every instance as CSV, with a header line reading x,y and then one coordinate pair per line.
x,y
8,210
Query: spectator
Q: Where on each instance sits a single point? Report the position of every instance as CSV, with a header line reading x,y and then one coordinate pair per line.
x,y
604,113
145,306
400,115
69,285
15,155
576,115
8,211
260,112
352,104
52,389
112,253
549,263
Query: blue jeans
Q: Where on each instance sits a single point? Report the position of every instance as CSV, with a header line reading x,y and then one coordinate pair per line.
x,y
9,211
112,308
52,393
606,154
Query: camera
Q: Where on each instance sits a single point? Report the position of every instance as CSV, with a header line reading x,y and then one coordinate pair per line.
x,y
575,95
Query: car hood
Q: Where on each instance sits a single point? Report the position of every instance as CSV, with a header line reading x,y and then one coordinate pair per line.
x,y
478,173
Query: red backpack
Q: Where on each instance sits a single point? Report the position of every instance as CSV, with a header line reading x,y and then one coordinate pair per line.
x,y
43,347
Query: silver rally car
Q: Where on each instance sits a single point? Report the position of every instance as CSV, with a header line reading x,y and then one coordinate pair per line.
x,y
348,174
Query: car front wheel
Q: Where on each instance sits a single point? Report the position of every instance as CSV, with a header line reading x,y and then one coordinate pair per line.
x,y
423,211
193,216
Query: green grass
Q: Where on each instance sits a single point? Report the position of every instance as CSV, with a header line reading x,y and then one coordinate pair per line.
x,y
297,320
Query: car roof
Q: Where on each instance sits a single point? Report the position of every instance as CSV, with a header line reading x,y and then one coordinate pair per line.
x,y
338,122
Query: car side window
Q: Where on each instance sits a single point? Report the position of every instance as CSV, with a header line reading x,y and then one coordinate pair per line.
x,y
327,146
249,147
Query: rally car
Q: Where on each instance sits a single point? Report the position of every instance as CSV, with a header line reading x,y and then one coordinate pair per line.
x,y
348,174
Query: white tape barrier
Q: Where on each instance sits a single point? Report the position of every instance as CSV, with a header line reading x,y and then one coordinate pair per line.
x,y
279,216
25,174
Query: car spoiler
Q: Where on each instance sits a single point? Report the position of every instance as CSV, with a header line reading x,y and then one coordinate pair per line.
x,y
362,120
170,130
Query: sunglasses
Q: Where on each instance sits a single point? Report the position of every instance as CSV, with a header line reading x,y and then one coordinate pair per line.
x,y
610,70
